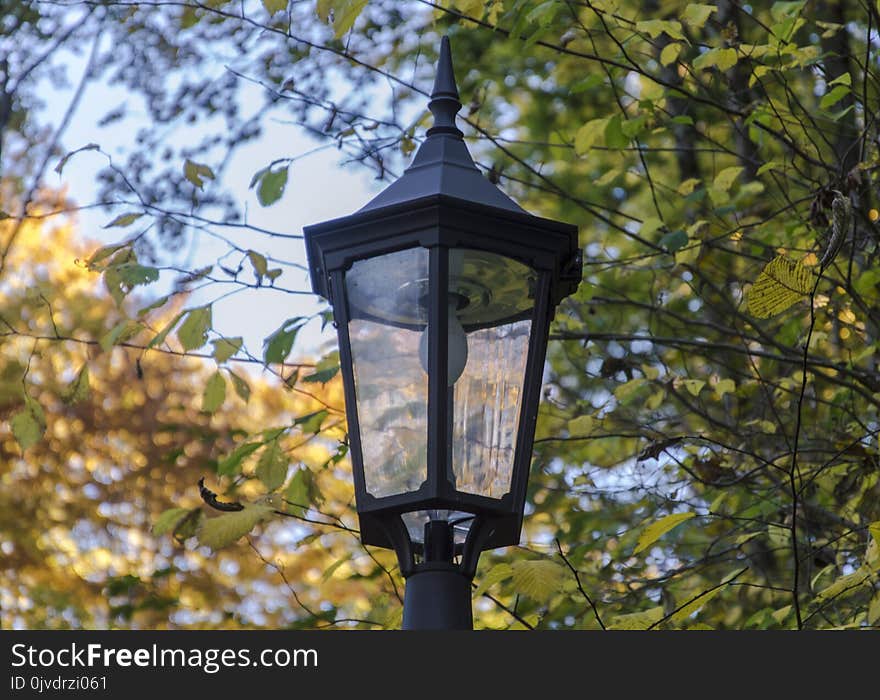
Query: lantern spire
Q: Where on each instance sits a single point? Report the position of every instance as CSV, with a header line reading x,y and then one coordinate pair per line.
x,y
444,104
442,165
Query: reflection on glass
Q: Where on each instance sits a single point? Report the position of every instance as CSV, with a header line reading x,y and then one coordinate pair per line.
x,y
416,520
486,409
392,388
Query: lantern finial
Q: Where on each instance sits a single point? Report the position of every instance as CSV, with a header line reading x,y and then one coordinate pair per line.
x,y
444,104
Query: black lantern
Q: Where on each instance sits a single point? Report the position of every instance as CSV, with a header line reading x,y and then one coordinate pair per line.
x,y
442,290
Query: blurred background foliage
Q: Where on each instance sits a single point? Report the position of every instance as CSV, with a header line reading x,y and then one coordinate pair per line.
x,y
707,454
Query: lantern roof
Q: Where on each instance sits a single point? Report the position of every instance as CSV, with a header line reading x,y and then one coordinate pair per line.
x,y
443,165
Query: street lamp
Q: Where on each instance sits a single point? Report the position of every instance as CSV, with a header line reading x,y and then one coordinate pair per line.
x,y
442,290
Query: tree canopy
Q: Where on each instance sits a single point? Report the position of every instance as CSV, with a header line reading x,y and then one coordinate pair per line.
x,y
707,450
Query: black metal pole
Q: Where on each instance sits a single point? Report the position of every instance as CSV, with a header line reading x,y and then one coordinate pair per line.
x,y
438,593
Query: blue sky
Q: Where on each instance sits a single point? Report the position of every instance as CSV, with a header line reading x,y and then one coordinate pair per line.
x,y
320,187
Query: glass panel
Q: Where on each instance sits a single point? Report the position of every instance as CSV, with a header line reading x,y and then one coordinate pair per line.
x,y
387,320
415,523
492,298
487,401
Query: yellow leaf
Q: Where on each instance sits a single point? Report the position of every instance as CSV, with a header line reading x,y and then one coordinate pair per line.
x,y
588,135
581,426
539,579
197,173
654,400
725,179
344,17
682,615
696,15
669,53
688,186
688,253
874,610
782,282
845,585
273,6
725,386
496,574
637,621
227,528
658,528
720,58
649,225
655,27
694,386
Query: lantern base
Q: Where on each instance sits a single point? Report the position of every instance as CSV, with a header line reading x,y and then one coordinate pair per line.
x,y
437,597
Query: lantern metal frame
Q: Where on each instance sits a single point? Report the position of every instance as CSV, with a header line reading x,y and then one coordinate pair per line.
x,y
444,202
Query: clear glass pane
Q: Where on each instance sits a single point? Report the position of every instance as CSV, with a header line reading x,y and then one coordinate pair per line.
x,y
416,520
492,298
386,323
486,408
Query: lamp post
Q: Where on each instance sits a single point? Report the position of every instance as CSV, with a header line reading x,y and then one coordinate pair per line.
x,y
442,290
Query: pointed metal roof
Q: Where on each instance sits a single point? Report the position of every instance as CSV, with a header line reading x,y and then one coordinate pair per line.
x,y
443,164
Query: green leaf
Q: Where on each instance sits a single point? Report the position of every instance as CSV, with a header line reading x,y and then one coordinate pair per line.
x,y
103,253
638,620
539,579
214,394
674,240
163,334
79,388
61,163
589,135
270,185
197,173
125,220
311,422
325,370
134,274
298,492
27,426
496,574
277,346
655,27
782,282
160,302
193,332
835,95
168,520
259,263
232,464
225,529
720,58
614,136
273,6
658,528
786,9
224,348
272,466
670,53
696,15
345,16
122,331
241,386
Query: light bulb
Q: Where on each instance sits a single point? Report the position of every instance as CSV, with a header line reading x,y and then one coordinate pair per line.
x,y
456,348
